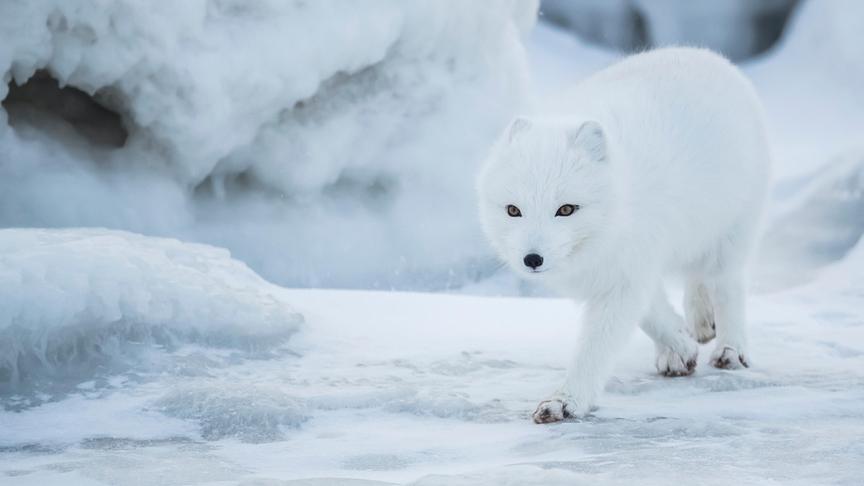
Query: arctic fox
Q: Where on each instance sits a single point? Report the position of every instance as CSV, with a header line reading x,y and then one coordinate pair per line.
x,y
656,165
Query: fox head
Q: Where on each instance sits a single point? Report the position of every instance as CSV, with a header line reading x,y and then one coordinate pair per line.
x,y
545,193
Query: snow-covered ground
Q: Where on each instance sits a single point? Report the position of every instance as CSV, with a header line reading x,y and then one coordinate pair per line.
x,y
143,376
437,389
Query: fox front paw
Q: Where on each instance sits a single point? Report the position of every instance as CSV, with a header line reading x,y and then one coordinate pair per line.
x,y
677,361
549,411
556,409
670,363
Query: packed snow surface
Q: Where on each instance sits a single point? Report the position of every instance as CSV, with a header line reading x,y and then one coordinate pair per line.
x,y
437,389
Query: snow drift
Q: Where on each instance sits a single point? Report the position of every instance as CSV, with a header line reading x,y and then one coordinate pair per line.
x,y
80,301
819,225
810,85
324,143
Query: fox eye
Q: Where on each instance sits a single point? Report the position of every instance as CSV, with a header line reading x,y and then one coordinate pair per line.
x,y
513,211
567,210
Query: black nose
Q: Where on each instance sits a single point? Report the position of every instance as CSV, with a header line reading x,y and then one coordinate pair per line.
x,y
533,260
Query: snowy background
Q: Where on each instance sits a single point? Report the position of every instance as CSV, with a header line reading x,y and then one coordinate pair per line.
x,y
179,186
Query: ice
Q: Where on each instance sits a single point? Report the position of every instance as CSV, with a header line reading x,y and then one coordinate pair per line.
x,y
83,301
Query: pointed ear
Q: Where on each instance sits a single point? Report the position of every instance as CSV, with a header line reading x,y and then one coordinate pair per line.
x,y
590,139
517,126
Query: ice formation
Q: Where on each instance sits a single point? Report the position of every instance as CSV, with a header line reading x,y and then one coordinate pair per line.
x,y
77,303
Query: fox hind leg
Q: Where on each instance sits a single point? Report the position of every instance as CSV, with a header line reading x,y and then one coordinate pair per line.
x,y
698,311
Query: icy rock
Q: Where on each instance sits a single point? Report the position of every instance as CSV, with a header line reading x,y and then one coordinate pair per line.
x,y
614,23
737,28
827,35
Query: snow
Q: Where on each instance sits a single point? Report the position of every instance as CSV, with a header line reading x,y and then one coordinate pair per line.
x,y
811,91
250,123
193,369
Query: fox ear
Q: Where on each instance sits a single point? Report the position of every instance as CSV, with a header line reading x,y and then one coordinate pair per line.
x,y
590,139
517,126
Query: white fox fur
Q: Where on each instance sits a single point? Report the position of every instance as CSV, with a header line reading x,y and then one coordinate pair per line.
x,y
666,157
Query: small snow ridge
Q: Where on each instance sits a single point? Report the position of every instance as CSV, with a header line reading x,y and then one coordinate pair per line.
x,y
249,413
402,399
89,302
451,405
376,462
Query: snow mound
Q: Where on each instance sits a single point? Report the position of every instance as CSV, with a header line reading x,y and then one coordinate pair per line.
x,y
78,301
810,86
244,124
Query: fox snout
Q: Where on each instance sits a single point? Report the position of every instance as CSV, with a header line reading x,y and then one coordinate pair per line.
x,y
533,261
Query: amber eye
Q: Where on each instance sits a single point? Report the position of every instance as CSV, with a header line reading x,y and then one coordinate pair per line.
x,y
513,211
567,210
